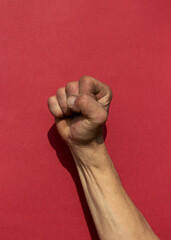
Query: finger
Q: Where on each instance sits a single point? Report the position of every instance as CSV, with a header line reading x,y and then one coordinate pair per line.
x,y
54,107
62,101
88,107
91,86
72,88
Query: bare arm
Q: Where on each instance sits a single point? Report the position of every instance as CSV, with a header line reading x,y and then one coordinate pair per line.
x,y
114,214
80,124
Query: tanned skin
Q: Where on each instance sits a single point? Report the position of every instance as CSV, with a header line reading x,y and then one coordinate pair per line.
x,y
81,109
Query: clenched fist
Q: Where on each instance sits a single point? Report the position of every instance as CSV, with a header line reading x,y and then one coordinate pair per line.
x,y
80,110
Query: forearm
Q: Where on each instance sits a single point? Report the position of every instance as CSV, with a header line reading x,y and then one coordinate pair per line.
x,y
114,214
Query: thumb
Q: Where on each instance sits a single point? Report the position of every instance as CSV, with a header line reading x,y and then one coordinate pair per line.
x,y
88,107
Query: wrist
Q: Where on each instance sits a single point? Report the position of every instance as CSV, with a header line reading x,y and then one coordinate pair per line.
x,y
93,155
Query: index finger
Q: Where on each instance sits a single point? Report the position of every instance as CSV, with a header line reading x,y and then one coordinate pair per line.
x,y
98,90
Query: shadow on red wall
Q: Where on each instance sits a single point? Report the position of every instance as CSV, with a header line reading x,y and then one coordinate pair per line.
x,y
66,159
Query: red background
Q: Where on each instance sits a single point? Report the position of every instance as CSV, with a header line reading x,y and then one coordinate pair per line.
x,y
43,45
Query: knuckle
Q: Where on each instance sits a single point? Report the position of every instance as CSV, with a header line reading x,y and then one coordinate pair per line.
x,y
60,91
86,79
50,101
109,92
71,86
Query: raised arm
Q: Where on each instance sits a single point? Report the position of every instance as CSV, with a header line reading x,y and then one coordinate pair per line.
x,y
80,109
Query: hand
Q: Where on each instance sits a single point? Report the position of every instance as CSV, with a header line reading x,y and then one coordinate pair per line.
x,y
80,110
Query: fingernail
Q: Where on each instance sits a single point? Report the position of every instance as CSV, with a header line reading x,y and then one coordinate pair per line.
x,y
71,100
